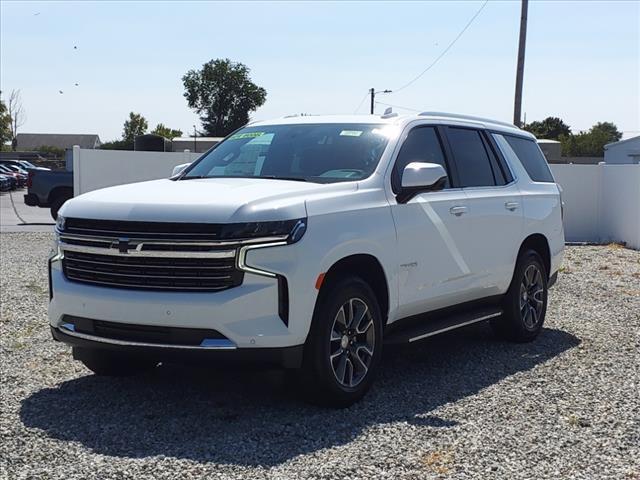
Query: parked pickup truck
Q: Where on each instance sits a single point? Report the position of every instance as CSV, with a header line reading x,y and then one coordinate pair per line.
x,y
49,189
313,242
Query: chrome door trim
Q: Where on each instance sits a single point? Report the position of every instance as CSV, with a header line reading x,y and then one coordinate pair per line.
x,y
453,327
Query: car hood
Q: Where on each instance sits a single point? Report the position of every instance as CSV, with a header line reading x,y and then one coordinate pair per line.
x,y
207,200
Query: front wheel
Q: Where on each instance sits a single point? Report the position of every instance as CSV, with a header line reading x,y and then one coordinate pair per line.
x,y
344,345
525,304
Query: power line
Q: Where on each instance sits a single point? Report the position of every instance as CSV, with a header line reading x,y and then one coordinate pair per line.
x,y
361,102
444,52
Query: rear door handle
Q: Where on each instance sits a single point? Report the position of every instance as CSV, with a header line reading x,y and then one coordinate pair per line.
x,y
511,205
458,210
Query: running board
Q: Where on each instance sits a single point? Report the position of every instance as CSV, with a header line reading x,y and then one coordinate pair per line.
x,y
431,327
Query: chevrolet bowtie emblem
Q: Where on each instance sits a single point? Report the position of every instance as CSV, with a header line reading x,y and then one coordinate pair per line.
x,y
123,245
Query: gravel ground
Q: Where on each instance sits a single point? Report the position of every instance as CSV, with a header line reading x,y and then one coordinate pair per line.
x,y
460,406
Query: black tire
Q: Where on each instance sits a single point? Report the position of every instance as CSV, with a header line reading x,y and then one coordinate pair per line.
x,y
57,204
525,304
319,374
112,364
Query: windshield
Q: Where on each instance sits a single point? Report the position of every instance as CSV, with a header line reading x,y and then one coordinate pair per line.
x,y
323,153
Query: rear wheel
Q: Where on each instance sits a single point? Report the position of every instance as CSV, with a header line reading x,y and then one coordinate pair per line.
x,y
344,346
112,364
525,304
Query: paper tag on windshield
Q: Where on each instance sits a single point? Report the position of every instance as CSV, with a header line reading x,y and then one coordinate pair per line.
x,y
350,133
238,136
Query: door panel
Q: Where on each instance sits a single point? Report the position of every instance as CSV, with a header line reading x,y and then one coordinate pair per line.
x,y
434,269
496,225
495,213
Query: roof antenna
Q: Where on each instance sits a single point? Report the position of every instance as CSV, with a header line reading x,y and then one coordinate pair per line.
x,y
388,113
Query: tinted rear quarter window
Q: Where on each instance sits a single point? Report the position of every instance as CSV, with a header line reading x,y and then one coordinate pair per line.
x,y
531,158
472,160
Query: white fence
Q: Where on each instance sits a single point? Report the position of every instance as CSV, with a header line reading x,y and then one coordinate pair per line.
x,y
94,169
602,202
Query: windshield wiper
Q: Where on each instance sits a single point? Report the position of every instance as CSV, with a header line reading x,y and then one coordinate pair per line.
x,y
274,177
194,177
268,177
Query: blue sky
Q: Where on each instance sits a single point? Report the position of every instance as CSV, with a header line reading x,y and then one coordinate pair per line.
x,y
582,64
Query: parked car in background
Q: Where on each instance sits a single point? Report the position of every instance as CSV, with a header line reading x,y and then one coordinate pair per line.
x,y
16,169
49,189
6,183
23,164
311,242
21,179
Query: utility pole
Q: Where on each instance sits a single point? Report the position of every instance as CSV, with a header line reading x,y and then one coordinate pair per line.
x,y
372,92
517,107
195,137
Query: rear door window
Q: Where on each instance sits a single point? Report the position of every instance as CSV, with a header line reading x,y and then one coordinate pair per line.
x,y
531,157
471,157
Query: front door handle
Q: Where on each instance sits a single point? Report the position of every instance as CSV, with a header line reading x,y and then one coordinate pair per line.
x,y
458,210
511,205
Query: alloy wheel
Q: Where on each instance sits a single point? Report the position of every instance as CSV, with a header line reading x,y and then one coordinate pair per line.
x,y
531,296
352,342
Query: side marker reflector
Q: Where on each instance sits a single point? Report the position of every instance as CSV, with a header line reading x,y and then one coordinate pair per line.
x,y
319,281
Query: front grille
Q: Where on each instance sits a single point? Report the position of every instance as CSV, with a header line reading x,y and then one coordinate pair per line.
x,y
178,231
142,333
152,273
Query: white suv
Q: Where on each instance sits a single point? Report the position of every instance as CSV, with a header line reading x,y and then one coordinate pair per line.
x,y
311,242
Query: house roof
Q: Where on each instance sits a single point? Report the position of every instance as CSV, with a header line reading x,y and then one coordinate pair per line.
x,y
30,141
632,139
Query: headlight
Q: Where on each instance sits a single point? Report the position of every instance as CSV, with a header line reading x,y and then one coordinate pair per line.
x,y
293,229
60,221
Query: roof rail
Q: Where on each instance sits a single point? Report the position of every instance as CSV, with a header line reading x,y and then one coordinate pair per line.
x,y
465,117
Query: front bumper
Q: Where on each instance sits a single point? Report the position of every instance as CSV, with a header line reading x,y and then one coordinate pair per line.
x,y
248,315
288,357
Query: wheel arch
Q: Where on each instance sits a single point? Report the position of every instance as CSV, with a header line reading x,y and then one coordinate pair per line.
x,y
60,191
540,244
365,266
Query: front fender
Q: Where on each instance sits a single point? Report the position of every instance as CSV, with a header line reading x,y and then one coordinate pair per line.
x,y
329,238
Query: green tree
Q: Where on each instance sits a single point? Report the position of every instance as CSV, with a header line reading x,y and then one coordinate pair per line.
x,y
609,129
5,125
550,128
134,126
166,132
592,142
117,145
223,95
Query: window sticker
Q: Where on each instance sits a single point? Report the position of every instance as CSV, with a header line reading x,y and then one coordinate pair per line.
x,y
239,136
350,133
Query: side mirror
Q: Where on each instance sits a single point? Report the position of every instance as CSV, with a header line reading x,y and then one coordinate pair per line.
x,y
420,177
179,168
